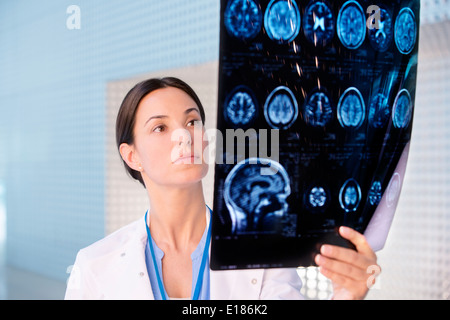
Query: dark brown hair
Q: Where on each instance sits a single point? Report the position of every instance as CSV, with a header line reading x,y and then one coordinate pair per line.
x,y
126,118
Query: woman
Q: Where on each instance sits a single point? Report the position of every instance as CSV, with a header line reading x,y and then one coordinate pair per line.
x,y
164,255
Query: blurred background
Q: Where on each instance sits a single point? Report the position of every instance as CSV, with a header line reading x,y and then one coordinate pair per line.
x,y
65,67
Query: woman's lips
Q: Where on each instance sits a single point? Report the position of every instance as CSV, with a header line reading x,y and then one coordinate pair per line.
x,y
189,159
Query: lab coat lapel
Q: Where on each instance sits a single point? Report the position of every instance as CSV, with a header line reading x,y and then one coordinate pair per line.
x,y
132,280
130,271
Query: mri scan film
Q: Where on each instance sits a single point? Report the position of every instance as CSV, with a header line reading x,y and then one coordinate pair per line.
x,y
315,109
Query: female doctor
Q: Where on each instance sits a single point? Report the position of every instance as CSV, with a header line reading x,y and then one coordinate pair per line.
x,y
164,255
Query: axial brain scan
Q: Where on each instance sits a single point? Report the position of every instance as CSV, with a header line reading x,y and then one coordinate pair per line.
x,y
316,104
381,35
351,25
240,107
243,19
351,109
318,23
281,108
405,31
282,20
318,110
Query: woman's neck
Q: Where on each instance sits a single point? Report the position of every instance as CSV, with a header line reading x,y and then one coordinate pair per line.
x,y
177,216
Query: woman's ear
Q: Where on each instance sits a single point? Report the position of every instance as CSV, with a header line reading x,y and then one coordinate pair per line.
x,y
128,154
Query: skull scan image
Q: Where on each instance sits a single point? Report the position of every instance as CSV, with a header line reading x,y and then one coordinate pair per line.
x,y
317,197
243,19
351,109
255,193
402,110
318,23
350,195
405,31
240,107
282,20
351,25
281,108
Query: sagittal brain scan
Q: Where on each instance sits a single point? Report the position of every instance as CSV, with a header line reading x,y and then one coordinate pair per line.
x,y
405,31
282,20
281,108
255,193
351,25
351,108
315,105
381,34
240,108
318,23
243,19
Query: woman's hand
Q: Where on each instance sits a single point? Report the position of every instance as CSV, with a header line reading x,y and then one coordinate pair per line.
x,y
352,272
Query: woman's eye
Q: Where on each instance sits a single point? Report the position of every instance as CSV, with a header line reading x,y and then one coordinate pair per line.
x,y
192,122
158,129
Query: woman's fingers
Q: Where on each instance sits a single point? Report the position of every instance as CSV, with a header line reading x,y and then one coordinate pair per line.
x,y
354,270
346,255
360,242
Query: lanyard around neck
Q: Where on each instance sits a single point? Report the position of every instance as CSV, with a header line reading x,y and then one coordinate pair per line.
x,y
198,284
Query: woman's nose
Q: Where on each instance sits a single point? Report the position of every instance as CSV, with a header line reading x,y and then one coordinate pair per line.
x,y
184,137
182,140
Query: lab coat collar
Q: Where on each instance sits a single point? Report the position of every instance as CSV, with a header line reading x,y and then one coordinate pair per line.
x,y
135,284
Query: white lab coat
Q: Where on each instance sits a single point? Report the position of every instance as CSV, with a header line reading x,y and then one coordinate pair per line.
x,y
115,268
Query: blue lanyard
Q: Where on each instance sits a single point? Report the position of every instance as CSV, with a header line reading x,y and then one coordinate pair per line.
x,y
198,285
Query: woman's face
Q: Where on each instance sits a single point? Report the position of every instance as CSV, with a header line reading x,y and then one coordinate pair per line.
x,y
168,138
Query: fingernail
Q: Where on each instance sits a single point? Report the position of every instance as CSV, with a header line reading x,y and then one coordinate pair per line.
x,y
324,249
344,230
318,258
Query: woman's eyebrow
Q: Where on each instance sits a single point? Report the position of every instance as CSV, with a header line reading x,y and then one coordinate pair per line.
x,y
190,110
187,111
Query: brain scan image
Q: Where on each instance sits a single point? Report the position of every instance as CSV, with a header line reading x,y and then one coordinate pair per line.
x,y
381,37
402,110
405,31
240,107
318,97
317,110
351,109
379,111
255,193
350,195
375,193
281,108
318,23
317,197
351,25
243,19
282,20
